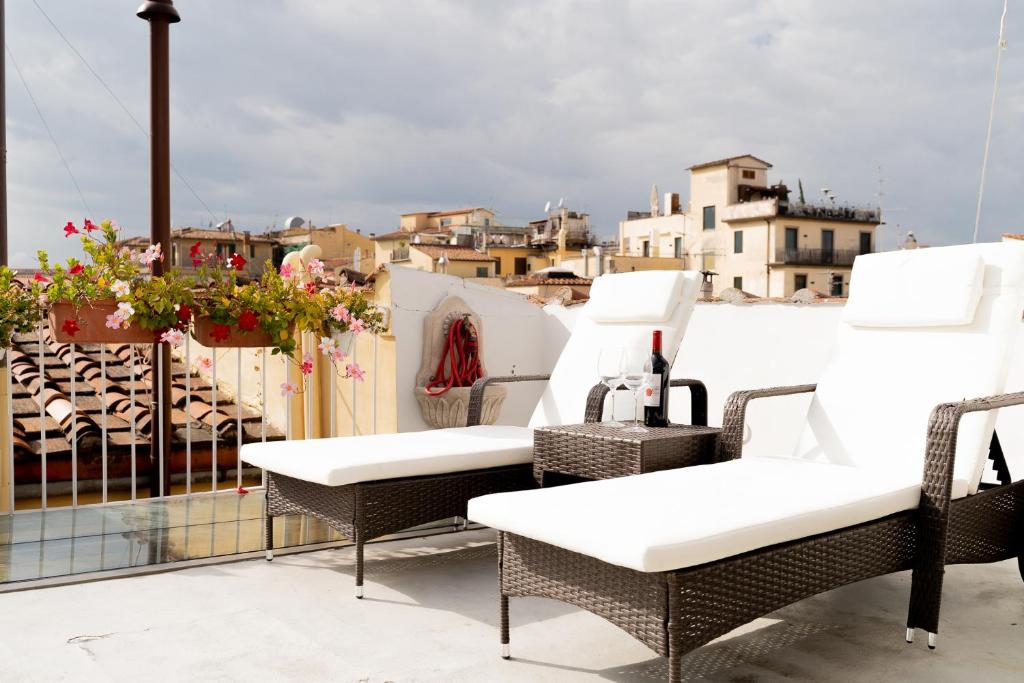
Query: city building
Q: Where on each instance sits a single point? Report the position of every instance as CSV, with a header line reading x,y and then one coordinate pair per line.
x,y
339,246
222,241
751,235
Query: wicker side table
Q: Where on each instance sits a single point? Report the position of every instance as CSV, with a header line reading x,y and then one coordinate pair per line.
x,y
596,451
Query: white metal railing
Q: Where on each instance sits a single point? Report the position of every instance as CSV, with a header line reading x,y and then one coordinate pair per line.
x,y
138,369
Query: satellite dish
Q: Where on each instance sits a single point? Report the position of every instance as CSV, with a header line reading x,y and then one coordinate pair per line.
x,y
561,202
294,222
547,207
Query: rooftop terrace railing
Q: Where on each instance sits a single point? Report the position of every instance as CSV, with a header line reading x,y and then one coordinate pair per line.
x,y
817,257
81,419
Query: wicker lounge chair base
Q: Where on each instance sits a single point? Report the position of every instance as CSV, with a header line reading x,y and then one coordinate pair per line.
x,y
372,509
676,612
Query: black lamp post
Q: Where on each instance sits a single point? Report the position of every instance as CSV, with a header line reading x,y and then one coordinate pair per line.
x,y
160,14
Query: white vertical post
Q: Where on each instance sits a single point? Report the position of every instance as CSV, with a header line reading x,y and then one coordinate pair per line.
x,y
263,409
74,436
10,424
308,388
287,402
238,422
376,347
131,409
188,419
334,390
355,347
160,421
42,415
103,420
214,431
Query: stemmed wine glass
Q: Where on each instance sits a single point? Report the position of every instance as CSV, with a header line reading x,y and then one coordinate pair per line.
x,y
609,369
635,374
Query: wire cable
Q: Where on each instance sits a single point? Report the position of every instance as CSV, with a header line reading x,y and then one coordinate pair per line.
x,y
49,132
120,103
991,117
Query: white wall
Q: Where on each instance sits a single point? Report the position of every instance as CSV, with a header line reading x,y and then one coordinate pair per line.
x,y
517,335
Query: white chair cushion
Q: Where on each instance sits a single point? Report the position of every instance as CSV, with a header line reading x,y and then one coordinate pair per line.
x,y
565,396
686,517
875,396
923,288
353,459
642,297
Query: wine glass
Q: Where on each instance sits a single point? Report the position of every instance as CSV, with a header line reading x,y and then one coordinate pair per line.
x,y
609,369
635,374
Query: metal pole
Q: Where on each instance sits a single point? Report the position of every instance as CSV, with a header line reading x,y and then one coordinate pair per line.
x,y
160,14
3,139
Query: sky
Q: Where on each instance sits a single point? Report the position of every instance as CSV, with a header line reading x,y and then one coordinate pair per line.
x,y
355,112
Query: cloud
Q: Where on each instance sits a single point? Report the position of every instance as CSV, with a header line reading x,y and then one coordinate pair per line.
x,y
344,111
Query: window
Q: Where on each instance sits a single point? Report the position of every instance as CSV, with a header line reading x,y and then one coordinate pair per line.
x,y
487,222
737,242
792,239
677,247
837,285
519,265
865,243
799,281
220,249
737,282
709,218
645,248
481,271
828,240
748,174
252,250
497,267
445,222
708,259
552,262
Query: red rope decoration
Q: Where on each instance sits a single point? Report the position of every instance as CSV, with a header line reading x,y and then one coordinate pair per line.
x,y
460,358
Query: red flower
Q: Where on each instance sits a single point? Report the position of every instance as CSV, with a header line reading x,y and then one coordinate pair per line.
x,y
184,313
248,321
196,262
70,229
89,226
242,490
70,326
311,287
76,269
237,262
220,333
193,251
39,277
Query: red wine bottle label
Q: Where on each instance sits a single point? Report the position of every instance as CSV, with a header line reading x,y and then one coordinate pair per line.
x,y
652,392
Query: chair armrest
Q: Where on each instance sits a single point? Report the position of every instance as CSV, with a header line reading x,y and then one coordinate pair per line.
x,y
698,400
734,415
476,393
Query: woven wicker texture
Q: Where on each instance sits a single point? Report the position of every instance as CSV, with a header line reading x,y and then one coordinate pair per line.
x,y
597,451
476,393
698,400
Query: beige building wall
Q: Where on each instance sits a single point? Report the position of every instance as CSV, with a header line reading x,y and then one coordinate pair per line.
x,y
5,438
257,254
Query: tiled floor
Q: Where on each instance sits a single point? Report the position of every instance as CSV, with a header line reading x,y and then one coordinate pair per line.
x,y
64,541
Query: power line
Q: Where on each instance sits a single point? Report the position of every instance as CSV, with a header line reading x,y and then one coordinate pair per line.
x,y
121,104
49,132
991,117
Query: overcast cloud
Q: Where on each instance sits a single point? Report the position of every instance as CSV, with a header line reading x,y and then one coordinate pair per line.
x,y
357,111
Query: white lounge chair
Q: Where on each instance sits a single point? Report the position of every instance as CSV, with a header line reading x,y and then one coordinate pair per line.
x,y
374,485
680,557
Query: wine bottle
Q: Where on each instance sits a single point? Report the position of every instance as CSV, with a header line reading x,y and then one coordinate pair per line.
x,y
656,393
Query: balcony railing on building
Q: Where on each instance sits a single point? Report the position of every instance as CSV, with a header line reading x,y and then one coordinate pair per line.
x,y
817,257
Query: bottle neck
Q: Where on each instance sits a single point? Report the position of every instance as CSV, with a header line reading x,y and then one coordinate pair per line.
x,y
656,342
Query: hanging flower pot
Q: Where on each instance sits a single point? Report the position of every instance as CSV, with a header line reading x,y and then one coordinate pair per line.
x,y
93,323
214,336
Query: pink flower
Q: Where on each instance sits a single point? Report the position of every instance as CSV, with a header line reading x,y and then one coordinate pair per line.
x,y
326,345
307,364
288,389
337,355
356,326
173,337
340,313
204,363
151,254
316,268
355,372
114,321
287,271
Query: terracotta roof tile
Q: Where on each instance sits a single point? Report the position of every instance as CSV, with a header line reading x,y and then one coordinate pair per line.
x,y
534,281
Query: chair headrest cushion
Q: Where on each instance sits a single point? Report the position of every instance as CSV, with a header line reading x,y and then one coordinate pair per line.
x,y
919,288
642,297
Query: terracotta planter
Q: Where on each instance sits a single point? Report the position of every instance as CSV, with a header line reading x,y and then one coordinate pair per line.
x,y
203,333
92,325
